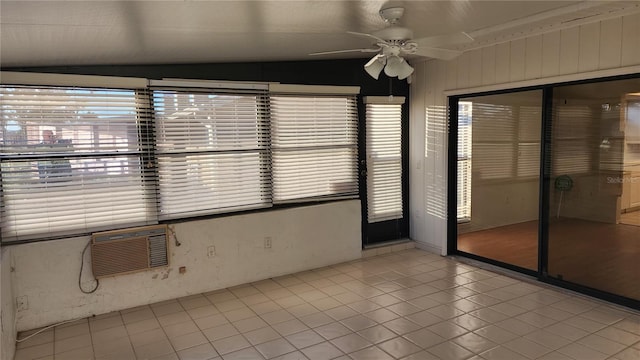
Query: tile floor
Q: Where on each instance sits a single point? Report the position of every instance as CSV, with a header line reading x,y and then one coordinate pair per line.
x,y
403,305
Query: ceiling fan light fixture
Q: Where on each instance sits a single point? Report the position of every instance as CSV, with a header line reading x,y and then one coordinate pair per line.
x,y
404,70
393,66
398,66
375,65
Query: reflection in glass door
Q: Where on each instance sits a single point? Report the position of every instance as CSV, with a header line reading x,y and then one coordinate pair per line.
x,y
498,177
594,215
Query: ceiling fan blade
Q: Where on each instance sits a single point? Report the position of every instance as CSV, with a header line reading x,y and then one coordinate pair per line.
x,y
443,40
436,53
345,51
367,35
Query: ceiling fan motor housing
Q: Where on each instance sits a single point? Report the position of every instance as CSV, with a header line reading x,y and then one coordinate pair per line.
x,y
391,50
394,33
392,14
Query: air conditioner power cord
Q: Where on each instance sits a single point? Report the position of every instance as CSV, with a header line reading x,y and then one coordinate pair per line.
x,y
81,289
81,269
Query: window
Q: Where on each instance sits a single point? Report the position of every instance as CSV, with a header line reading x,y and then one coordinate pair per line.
x,y
529,141
71,160
212,151
494,139
436,126
506,138
314,143
111,153
384,158
572,139
464,160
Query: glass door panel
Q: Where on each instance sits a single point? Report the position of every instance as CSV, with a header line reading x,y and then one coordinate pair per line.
x,y
594,221
498,177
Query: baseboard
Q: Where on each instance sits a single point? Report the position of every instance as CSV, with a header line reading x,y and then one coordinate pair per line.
x,y
429,247
388,248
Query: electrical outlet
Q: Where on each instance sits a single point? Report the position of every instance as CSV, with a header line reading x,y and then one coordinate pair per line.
x,y
211,251
267,242
22,303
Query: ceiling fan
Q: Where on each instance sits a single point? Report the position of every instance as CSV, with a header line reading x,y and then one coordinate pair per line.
x,y
395,41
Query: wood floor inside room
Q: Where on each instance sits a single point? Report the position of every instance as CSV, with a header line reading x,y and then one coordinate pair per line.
x,y
515,244
631,218
598,255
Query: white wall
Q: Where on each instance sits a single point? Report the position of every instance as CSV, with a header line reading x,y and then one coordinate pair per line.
x,y
503,203
602,48
7,311
302,238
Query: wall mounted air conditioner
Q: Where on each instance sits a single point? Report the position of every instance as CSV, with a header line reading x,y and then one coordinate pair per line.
x,y
129,250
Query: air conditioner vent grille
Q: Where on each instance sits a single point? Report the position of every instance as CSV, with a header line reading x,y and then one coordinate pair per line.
x,y
130,250
158,250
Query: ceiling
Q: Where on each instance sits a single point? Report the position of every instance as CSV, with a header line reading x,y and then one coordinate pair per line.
x,y
45,33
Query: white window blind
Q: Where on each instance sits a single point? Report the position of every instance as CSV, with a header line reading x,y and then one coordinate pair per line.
x,y
384,160
212,151
529,125
494,141
71,161
464,160
572,139
314,142
436,128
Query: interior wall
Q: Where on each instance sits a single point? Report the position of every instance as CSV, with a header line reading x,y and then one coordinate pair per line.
x,y
325,72
302,238
580,51
500,204
8,309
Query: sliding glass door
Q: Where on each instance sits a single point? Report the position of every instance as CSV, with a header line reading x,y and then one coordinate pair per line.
x,y
594,217
498,177
579,224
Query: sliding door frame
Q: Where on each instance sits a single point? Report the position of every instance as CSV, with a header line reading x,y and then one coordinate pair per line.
x,y
541,273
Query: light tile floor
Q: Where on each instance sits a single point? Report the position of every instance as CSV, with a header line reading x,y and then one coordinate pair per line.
x,y
410,305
